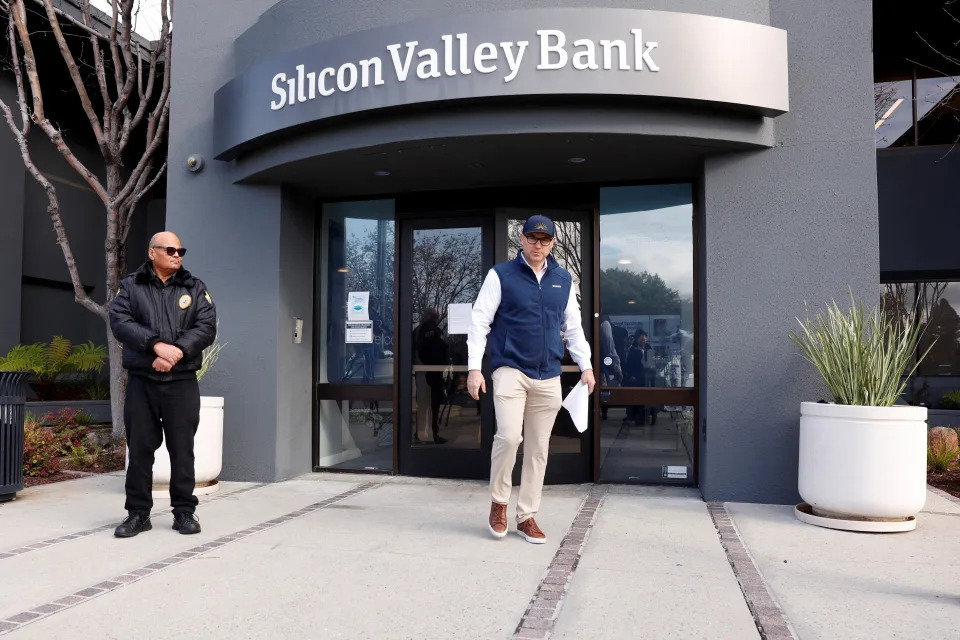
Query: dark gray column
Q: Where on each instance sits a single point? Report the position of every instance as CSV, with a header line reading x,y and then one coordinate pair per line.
x,y
234,236
795,223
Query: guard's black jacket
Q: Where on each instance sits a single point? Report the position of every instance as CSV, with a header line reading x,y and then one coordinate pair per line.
x,y
147,311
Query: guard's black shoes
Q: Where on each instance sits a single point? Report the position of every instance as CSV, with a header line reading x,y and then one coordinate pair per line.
x,y
132,525
186,523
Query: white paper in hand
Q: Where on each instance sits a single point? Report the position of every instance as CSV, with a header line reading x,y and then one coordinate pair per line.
x,y
577,403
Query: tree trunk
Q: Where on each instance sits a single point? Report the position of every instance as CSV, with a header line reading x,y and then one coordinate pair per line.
x,y
118,383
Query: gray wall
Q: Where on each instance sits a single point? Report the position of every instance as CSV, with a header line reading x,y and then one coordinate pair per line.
x,y
919,221
797,223
235,235
296,282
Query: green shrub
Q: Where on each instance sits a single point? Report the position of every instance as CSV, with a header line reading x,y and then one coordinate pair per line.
x,y
70,427
951,400
41,451
940,459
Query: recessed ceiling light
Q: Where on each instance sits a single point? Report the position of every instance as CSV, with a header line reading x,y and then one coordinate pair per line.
x,y
624,261
343,270
381,173
631,302
576,160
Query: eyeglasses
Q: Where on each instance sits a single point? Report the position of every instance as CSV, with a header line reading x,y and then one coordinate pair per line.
x,y
543,242
173,251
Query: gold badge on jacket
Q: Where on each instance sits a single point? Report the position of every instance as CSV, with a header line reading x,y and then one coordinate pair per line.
x,y
185,301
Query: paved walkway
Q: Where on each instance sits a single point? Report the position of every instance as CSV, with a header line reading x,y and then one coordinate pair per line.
x,y
358,556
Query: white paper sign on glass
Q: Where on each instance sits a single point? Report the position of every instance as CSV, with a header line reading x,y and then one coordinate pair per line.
x,y
358,305
459,317
359,332
577,403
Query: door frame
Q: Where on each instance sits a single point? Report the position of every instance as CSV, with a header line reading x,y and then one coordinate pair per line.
x,y
437,460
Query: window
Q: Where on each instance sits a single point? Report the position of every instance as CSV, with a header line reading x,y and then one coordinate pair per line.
x,y
937,118
937,307
358,254
646,284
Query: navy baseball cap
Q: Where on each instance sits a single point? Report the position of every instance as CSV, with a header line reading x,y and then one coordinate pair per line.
x,y
539,224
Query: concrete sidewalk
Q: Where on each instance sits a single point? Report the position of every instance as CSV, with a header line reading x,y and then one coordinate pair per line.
x,y
362,556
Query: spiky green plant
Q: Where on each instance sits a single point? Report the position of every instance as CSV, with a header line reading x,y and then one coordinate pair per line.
x,y
862,355
941,458
210,355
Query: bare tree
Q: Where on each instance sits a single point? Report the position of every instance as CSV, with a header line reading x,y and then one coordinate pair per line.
x,y
123,95
446,270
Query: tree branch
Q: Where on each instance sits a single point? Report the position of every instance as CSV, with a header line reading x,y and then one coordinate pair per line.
x,y
77,80
66,16
18,73
53,208
100,70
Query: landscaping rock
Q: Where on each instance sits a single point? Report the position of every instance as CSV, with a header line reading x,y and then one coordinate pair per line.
x,y
943,437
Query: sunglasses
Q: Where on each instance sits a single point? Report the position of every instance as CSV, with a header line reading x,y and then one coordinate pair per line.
x,y
173,251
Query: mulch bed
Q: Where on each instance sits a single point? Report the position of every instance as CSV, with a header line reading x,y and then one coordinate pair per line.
x,y
948,481
60,476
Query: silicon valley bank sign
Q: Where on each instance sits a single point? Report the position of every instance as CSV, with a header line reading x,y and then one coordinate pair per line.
x,y
524,54
458,57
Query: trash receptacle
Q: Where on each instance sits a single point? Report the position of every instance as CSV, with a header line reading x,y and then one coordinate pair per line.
x,y
12,399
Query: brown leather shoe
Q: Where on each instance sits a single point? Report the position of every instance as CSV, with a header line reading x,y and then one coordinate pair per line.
x,y
530,532
498,519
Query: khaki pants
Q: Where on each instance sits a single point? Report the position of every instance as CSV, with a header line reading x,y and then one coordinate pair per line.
x,y
526,410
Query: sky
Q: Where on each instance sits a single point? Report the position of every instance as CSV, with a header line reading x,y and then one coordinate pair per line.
x,y
659,241
147,14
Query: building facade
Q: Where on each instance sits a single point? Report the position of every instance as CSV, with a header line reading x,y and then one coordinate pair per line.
x,y
711,168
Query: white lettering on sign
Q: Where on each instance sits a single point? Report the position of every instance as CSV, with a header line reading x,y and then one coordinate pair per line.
x,y
456,56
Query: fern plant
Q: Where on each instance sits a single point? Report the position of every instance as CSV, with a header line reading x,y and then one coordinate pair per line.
x,y
50,361
862,355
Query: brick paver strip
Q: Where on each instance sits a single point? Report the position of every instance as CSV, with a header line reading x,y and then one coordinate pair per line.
x,y
62,604
544,608
107,527
771,623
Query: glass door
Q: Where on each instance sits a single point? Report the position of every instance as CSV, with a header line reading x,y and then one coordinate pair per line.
x,y
647,335
571,452
443,431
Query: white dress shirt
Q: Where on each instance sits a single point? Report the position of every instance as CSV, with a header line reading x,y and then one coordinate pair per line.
x,y
485,308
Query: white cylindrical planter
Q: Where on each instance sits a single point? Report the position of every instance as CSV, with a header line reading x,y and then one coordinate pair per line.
x,y
207,448
863,463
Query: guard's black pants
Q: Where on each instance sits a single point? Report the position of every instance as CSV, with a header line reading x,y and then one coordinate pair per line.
x,y
157,411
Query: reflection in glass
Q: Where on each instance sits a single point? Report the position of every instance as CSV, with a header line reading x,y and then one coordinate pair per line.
x,y
660,452
356,434
893,113
446,270
358,250
938,110
939,304
646,286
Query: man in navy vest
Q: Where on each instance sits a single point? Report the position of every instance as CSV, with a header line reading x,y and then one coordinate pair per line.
x,y
528,307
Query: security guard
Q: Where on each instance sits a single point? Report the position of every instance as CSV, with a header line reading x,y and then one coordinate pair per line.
x,y
525,305
164,318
